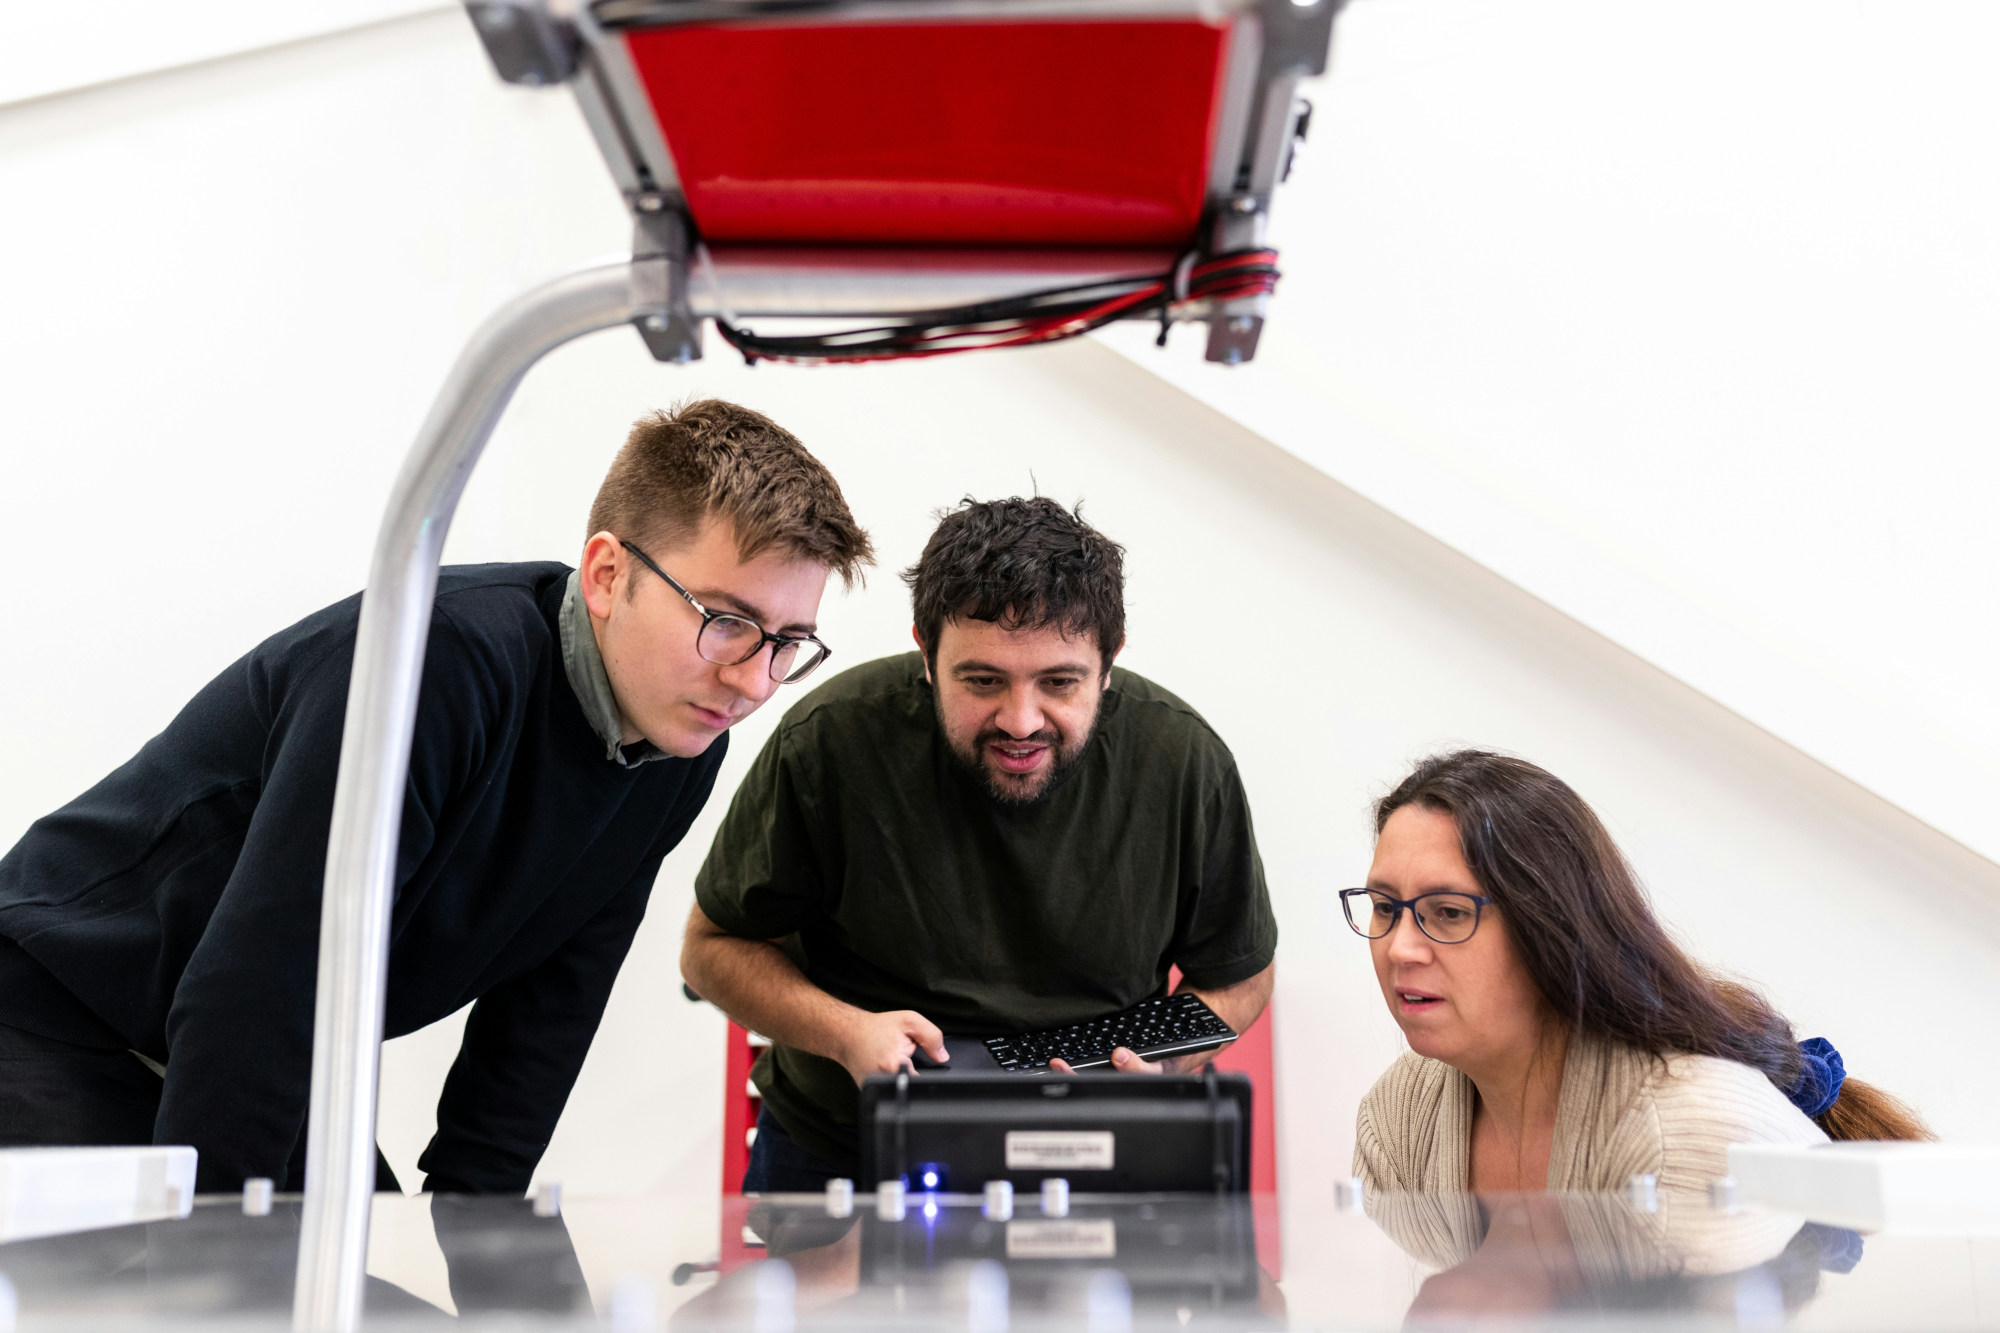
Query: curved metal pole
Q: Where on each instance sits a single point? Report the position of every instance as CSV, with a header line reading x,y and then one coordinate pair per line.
x,y
374,764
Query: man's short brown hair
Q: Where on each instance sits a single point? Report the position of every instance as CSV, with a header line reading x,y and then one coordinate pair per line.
x,y
1021,564
680,466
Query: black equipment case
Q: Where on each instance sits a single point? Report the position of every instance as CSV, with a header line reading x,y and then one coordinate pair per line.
x,y
1123,1133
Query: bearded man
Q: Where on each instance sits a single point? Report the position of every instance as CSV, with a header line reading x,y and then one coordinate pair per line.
x,y
995,833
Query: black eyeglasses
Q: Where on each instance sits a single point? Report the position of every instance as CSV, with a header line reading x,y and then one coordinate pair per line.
x,y
730,640
1444,916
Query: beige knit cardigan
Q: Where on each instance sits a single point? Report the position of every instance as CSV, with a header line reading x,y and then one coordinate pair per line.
x,y
1620,1113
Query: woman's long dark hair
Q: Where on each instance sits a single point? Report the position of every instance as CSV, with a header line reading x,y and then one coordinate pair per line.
x,y
1585,932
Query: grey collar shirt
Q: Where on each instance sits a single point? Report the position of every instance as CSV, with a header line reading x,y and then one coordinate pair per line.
x,y
584,666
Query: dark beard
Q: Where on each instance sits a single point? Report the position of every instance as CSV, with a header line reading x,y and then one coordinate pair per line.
x,y
1063,757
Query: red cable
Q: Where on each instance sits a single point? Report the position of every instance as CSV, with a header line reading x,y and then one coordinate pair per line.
x,y
1226,277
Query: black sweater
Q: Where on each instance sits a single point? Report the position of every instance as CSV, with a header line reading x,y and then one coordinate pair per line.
x,y
174,907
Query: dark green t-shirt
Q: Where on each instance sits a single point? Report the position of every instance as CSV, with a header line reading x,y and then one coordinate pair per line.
x,y
903,885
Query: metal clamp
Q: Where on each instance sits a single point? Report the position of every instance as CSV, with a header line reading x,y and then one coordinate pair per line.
x,y
661,242
526,43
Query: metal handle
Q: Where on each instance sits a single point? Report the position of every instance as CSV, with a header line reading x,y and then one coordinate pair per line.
x,y
374,764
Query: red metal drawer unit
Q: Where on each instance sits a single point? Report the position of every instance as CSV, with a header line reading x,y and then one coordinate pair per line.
x,y
974,173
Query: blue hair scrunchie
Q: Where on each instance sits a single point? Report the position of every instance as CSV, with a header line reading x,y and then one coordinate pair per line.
x,y
1821,1072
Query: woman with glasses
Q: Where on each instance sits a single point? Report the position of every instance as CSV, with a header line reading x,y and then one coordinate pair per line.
x,y
1559,1039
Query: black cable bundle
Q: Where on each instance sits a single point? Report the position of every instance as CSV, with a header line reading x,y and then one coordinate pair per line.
x,y
1020,321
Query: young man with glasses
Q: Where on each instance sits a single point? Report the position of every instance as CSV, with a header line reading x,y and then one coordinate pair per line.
x,y
996,833
159,934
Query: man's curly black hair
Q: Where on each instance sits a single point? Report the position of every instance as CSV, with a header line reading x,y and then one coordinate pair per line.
x,y
1024,564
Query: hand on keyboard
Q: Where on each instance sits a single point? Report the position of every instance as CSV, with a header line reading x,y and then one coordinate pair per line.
x,y
1122,1060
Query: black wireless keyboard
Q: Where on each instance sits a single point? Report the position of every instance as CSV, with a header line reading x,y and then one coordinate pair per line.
x,y
1171,1025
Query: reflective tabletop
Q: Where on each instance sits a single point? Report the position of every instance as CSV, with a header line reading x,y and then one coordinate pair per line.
x,y
1102,1263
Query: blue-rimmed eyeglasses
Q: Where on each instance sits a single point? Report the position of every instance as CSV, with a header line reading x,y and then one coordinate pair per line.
x,y
1445,916
729,640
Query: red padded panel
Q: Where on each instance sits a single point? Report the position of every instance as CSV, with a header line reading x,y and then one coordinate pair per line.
x,y
1017,133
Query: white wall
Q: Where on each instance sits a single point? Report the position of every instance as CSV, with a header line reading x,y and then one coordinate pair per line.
x,y
230,293
1682,317
44,50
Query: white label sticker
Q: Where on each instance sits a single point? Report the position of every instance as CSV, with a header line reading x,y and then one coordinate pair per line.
x,y
1059,1150
1085,1238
